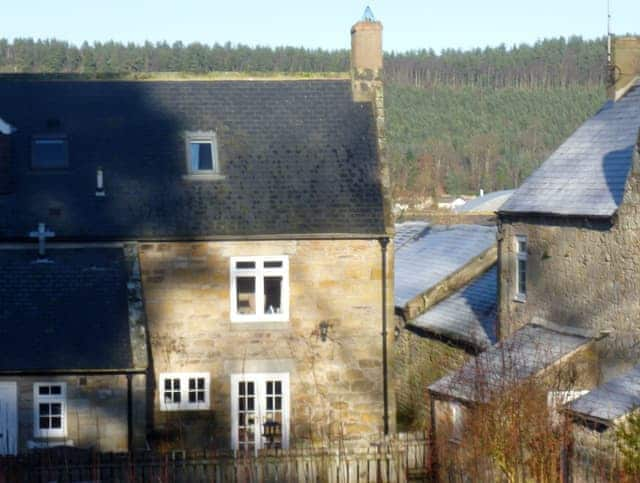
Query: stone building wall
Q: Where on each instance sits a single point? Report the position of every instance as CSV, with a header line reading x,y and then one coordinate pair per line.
x,y
335,386
580,273
420,360
96,411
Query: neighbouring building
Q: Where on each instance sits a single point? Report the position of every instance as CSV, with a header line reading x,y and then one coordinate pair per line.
x,y
445,302
215,262
569,267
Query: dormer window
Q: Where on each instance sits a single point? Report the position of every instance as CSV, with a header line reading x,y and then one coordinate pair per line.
x,y
49,152
202,153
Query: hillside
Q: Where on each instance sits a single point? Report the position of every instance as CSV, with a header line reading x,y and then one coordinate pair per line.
x,y
457,121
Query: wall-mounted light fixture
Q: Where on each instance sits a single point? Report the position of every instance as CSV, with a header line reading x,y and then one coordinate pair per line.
x,y
324,330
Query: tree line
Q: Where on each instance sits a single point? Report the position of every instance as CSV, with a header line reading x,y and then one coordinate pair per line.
x,y
555,62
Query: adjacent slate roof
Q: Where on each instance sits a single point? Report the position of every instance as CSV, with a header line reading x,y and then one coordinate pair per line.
x,y
612,400
408,232
527,352
70,314
489,203
298,157
468,316
434,255
587,174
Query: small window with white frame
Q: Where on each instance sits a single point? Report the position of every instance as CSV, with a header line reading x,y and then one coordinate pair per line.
x,y
50,409
521,268
202,152
184,391
260,289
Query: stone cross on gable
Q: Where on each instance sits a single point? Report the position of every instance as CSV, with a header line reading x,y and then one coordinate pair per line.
x,y
42,234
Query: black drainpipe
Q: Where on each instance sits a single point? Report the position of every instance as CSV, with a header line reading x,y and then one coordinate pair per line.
x,y
385,384
129,414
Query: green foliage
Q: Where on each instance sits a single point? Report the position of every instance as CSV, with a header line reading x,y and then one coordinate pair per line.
x,y
628,439
457,121
471,138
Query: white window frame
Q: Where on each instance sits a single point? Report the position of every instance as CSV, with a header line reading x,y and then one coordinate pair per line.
x,y
259,272
260,379
202,137
521,256
184,404
49,399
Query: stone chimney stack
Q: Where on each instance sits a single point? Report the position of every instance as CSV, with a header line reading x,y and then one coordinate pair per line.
x,y
626,66
5,157
366,58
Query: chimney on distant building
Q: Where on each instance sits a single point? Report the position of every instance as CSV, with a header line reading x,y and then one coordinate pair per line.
x,y
625,69
5,157
366,58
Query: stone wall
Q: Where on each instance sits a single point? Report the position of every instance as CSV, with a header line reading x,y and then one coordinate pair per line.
x,y
580,273
96,411
420,360
336,385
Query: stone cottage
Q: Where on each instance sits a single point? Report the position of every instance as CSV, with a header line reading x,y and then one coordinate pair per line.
x,y
445,302
568,264
257,214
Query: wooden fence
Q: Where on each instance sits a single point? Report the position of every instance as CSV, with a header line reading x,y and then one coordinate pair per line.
x,y
392,460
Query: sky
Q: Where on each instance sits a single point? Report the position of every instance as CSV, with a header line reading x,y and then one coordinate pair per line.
x,y
408,24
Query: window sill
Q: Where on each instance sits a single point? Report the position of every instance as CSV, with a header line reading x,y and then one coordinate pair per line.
x,y
520,299
256,325
204,177
174,409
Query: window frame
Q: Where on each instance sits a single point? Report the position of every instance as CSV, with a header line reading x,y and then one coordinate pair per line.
x,y
202,137
184,404
49,399
259,272
49,137
521,256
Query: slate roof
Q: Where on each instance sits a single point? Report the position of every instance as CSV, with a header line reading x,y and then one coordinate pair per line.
x,y
437,253
527,352
468,316
71,314
586,175
489,203
408,232
612,400
298,156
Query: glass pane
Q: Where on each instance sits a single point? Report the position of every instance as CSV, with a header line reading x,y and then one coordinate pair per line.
x,y
168,397
272,295
167,383
522,246
278,403
56,409
278,387
201,383
192,383
241,388
177,397
43,409
201,156
176,384
246,295
56,422
241,404
272,264
245,265
43,390
269,403
250,404
56,389
44,423
269,387
49,153
192,397
200,396
250,388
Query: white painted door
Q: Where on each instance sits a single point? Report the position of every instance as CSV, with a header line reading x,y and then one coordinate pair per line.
x,y
8,418
257,399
